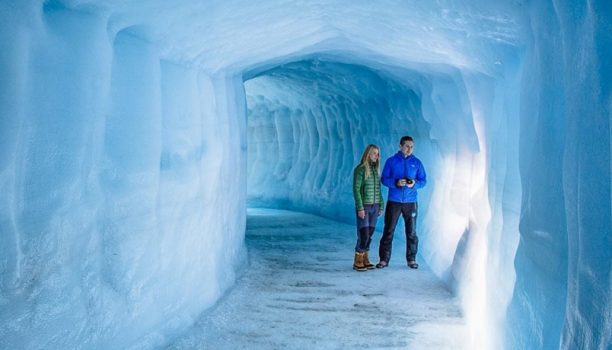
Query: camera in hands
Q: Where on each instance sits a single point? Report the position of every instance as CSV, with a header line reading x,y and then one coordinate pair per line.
x,y
405,182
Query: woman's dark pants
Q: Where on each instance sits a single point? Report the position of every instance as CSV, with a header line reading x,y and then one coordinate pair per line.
x,y
365,227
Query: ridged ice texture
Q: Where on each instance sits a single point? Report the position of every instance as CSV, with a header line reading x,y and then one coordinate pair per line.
x,y
308,123
123,155
113,187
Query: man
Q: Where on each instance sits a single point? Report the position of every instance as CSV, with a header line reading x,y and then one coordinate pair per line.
x,y
403,174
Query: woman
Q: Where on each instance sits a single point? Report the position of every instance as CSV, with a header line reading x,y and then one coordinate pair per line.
x,y
368,204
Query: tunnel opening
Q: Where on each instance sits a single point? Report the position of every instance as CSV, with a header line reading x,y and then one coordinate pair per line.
x,y
308,123
309,120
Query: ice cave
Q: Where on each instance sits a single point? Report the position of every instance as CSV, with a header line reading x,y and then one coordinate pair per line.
x,y
144,143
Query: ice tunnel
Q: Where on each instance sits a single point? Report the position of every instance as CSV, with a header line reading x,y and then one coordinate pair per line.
x,y
133,135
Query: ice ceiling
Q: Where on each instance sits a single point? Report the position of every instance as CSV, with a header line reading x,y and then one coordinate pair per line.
x,y
130,130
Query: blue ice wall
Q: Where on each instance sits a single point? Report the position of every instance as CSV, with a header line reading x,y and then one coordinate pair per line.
x,y
562,297
104,238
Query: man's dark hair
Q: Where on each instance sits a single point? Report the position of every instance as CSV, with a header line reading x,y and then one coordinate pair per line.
x,y
405,138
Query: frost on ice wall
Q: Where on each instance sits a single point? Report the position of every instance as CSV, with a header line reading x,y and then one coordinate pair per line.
x,y
128,128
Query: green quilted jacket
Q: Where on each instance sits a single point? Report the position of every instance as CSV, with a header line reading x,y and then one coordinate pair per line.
x,y
366,191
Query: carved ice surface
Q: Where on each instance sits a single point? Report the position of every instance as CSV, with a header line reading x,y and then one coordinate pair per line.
x,y
134,134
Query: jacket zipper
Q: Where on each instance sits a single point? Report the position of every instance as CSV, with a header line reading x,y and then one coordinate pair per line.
x,y
405,176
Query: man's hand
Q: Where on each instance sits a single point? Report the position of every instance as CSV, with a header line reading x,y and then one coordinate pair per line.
x,y
400,183
361,214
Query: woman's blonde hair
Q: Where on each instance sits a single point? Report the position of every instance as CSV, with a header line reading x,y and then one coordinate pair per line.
x,y
365,160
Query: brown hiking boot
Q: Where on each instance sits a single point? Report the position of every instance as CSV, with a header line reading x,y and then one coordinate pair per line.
x,y
366,261
358,264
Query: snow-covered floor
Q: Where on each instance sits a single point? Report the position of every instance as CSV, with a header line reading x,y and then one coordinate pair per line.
x,y
299,292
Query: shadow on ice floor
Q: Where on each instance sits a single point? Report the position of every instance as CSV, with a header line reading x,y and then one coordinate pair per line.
x,y
299,292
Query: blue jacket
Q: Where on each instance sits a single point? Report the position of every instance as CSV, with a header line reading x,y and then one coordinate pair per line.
x,y
398,167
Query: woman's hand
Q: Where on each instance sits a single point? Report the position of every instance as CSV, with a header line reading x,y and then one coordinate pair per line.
x,y
361,214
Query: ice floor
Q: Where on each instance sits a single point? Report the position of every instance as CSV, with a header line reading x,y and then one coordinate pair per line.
x,y
299,291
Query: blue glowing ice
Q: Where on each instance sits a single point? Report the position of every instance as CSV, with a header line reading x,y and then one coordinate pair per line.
x,y
134,134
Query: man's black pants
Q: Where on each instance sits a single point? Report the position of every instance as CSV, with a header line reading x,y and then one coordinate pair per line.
x,y
392,213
